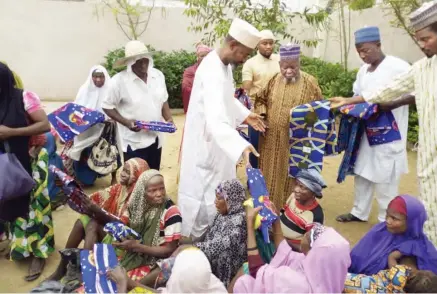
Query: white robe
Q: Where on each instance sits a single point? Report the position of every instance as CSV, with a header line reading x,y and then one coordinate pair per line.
x,y
383,164
211,145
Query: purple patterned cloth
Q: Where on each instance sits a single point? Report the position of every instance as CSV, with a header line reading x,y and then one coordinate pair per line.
x,y
121,232
260,196
241,95
156,126
72,119
380,127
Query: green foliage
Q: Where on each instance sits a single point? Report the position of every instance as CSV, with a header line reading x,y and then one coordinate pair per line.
x,y
332,78
413,125
213,18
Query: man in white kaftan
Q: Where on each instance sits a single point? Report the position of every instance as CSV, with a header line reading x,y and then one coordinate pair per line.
x,y
421,78
377,168
211,145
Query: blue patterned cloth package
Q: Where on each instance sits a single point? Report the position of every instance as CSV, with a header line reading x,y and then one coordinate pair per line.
x,y
156,126
121,232
312,136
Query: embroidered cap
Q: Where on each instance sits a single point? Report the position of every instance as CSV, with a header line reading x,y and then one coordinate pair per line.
x,y
267,35
289,52
424,15
367,34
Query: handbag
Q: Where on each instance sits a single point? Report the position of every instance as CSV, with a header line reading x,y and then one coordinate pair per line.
x,y
15,182
104,153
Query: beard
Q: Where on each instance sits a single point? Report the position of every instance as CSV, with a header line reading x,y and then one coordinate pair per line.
x,y
266,55
292,80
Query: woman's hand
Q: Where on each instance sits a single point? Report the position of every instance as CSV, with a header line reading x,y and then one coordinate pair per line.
x,y
337,102
128,245
393,258
6,132
119,276
251,214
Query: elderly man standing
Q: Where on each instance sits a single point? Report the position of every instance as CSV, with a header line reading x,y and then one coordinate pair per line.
x,y
257,71
138,93
188,77
211,145
377,168
290,88
420,79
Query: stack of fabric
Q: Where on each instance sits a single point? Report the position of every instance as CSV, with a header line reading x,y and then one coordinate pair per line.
x,y
312,136
72,119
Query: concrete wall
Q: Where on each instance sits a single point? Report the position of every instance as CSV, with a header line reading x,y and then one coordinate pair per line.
x,y
52,44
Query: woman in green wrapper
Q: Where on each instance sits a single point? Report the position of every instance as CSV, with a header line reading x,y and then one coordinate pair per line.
x,y
155,217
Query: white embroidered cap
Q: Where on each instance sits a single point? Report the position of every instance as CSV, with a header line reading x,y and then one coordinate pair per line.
x,y
424,15
245,33
267,35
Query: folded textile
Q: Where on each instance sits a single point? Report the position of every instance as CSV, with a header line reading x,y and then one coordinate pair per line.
x,y
95,265
72,119
312,136
260,197
380,127
156,126
121,232
76,197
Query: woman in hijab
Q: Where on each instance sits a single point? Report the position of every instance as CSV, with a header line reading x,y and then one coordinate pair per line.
x,y
224,242
22,116
399,236
191,274
75,154
114,200
320,268
155,217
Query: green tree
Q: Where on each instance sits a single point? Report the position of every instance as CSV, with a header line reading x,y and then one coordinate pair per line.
x,y
213,18
131,16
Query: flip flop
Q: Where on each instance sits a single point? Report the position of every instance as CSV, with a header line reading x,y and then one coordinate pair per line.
x,y
35,275
347,218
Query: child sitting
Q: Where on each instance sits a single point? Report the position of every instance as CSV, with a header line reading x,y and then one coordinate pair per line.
x,y
302,209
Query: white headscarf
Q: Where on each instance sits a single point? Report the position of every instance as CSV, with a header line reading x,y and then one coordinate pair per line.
x,y
91,96
191,273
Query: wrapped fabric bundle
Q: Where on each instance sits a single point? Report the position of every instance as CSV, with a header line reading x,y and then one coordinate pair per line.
x,y
121,232
156,126
260,197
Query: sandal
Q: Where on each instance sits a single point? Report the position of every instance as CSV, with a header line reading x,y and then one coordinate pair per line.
x,y
347,218
35,274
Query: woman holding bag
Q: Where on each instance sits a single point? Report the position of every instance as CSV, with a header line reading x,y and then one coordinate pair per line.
x,y
22,116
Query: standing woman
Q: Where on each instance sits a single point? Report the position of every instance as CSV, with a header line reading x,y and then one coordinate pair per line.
x,y
75,154
22,116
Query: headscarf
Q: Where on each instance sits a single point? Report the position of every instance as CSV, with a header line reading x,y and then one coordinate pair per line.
x,y
144,218
398,204
116,198
323,270
313,180
225,241
200,48
17,79
232,191
91,96
192,274
370,255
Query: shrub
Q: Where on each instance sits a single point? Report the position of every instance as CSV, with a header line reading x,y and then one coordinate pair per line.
x,y
332,78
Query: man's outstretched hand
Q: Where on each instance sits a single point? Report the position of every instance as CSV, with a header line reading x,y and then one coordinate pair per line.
x,y
337,102
256,121
246,153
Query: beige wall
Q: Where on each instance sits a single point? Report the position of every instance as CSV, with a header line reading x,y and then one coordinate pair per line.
x,y
53,44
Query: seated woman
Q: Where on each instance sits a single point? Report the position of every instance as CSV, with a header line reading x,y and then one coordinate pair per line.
x,y
155,217
225,241
401,278
302,208
75,153
400,235
320,268
191,274
114,200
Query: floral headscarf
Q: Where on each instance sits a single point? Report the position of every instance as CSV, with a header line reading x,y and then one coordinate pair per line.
x,y
232,191
136,167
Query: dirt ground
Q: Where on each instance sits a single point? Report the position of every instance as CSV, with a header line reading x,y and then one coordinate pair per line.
x,y
337,199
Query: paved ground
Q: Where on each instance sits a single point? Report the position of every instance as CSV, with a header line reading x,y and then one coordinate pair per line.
x,y
337,199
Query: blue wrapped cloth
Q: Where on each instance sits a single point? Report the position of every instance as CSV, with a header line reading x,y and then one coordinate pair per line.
x,y
312,136
121,232
156,126
94,265
72,119
260,197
